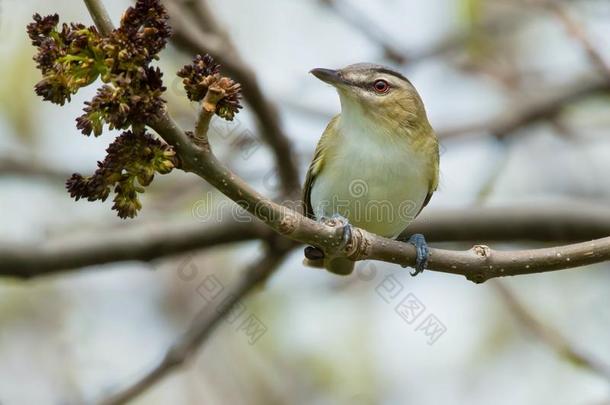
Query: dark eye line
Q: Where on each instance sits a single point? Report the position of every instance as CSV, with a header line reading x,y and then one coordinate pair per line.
x,y
366,85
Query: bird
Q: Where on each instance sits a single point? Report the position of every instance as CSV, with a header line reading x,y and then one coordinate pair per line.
x,y
376,165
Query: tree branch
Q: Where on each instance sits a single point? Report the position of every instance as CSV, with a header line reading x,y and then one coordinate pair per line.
x,y
202,326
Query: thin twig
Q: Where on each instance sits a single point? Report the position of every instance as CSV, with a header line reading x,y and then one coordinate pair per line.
x,y
553,338
201,327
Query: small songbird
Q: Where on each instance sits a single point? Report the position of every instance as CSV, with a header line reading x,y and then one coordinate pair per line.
x,y
376,164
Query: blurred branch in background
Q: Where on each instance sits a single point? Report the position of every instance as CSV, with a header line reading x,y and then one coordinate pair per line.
x,y
392,50
141,243
578,32
561,223
361,22
549,336
196,31
528,109
204,322
569,222
30,167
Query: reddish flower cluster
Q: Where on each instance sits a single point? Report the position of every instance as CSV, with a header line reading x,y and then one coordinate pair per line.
x,y
204,73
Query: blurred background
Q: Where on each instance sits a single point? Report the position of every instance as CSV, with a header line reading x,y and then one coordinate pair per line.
x,y
518,93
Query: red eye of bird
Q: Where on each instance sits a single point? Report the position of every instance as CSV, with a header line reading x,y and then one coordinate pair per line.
x,y
381,86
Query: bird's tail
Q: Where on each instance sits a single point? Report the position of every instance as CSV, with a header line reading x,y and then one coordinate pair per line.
x,y
337,265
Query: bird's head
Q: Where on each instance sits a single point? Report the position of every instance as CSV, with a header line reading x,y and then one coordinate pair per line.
x,y
376,92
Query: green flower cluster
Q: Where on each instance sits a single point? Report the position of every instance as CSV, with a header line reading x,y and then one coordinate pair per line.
x,y
204,73
69,58
72,56
130,165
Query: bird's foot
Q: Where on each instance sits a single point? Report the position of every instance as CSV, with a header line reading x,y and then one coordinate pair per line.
x,y
315,253
421,247
346,229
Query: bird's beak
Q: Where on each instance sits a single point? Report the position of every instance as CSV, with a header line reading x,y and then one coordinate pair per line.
x,y
329,76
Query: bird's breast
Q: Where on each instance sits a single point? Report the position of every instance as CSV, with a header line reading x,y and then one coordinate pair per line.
x,y
378,184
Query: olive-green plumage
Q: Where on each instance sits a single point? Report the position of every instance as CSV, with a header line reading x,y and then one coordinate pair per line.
x,y
376,163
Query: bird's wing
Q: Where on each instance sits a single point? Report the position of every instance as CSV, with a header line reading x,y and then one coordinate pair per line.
x,y
434,179
316,166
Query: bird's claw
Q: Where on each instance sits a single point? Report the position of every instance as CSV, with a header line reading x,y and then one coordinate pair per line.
x,y
421,247
346,228
314,253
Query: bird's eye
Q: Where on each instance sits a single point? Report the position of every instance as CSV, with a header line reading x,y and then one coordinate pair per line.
x,y
381,86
